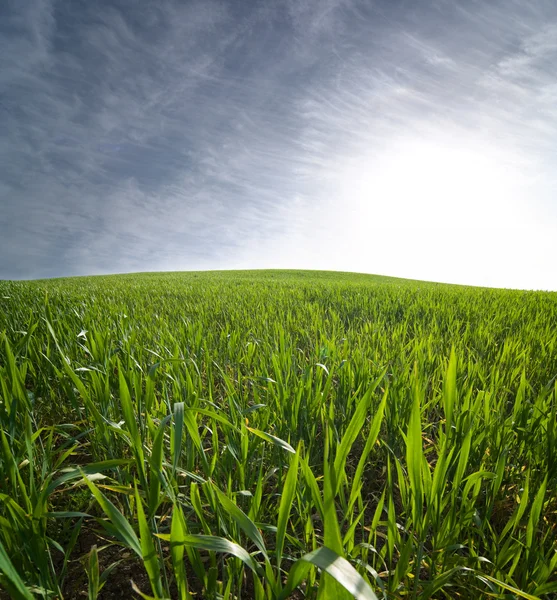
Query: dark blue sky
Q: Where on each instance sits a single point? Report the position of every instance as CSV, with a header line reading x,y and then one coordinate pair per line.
x,y
407,138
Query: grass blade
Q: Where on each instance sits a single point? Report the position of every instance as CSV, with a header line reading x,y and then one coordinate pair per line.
x,y
11,580
336,567
121,526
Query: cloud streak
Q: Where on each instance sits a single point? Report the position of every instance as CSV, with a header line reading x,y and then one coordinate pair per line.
x,y
219,134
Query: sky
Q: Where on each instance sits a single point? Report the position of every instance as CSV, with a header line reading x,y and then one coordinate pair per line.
x,y
399,137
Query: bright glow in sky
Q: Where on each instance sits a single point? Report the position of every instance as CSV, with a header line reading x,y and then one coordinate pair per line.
x,y
408,139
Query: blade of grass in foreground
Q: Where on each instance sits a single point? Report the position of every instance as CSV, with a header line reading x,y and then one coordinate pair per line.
x,y
121,525
212,543
155,464
287,497
414,452
92,570
178,533
507,587
273,439
329,587
243,521
149,554
370,441
11,580
335,566
352,431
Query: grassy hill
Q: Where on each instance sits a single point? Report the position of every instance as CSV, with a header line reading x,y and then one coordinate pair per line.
x,y
273,434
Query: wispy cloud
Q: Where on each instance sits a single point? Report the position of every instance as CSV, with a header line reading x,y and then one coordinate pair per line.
x,y
218,134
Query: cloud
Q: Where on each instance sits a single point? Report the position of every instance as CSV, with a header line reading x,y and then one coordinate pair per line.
x,y
437,145
221,134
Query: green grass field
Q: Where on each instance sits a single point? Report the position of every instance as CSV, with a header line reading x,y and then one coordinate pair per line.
x,y
276,434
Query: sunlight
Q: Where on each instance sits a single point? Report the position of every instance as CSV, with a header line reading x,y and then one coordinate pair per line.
x,y
427,184
443,208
